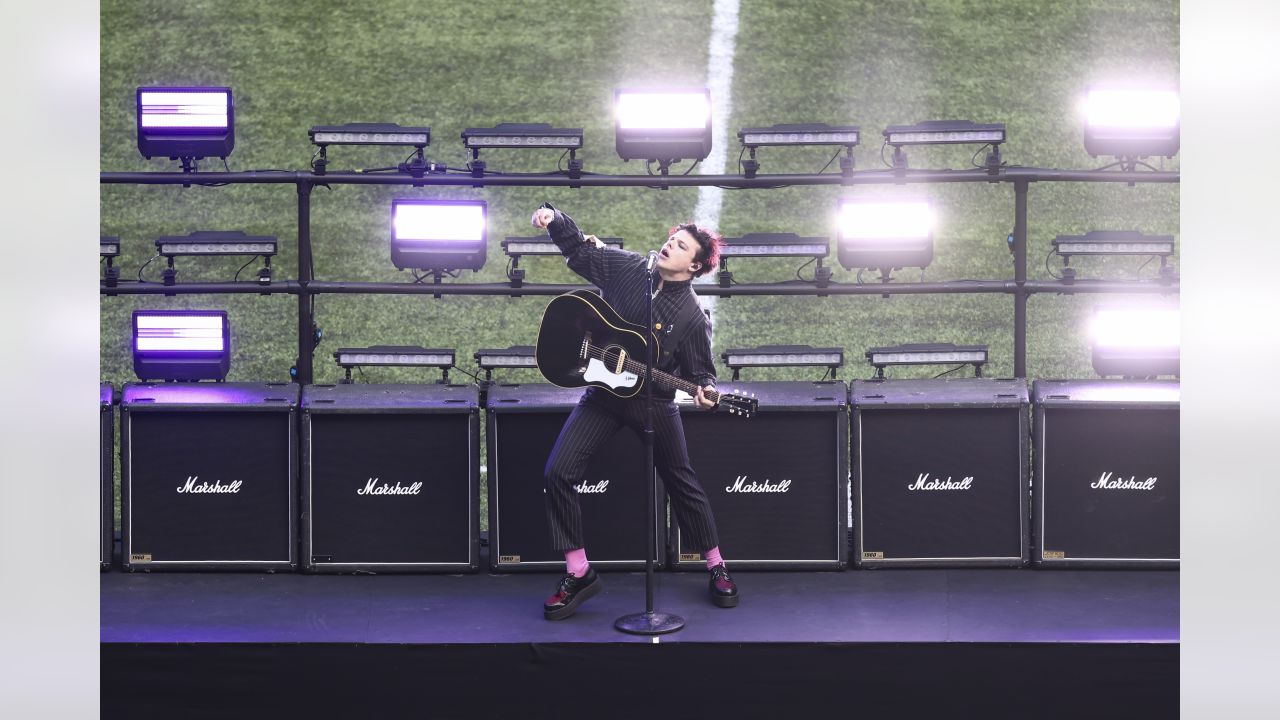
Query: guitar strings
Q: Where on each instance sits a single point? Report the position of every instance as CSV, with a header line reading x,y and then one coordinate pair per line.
x,y
597,353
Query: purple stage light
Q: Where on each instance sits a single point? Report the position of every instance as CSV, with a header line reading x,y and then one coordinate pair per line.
x,y
1131,122
1136,341
438,234
885,234
190,122
662,125
181,344
163,109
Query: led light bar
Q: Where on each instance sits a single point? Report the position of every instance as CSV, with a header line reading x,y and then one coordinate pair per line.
x,y
1136,341
181,344
1113,242
885,234
194,122
775,245
370,134
214,242
662,125
109,246
438,234
783,356
516,356
519,246
927,354
799,135
945,132
395,356
523,135
1132,122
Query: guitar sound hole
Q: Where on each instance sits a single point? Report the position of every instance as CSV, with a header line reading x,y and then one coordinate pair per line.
x,y
610,356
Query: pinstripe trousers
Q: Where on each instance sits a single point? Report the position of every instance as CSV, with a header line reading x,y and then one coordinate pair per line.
x,y
596,418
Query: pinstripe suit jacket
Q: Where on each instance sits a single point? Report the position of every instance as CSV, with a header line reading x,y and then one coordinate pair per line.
x,y
684,332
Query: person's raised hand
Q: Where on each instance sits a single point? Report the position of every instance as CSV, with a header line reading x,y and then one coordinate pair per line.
x,y
542,217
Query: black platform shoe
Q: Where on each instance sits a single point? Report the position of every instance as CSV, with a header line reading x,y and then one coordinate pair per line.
x,y
571,593
724,592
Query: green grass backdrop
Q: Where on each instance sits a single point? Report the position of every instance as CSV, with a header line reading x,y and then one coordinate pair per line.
x,y
452,65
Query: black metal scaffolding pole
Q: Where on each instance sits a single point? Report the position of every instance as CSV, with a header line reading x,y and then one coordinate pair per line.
x,y
1020,278
857,177
305,287
951,287
306,328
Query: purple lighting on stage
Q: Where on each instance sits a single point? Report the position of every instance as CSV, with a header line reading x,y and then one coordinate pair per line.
x,y
664,125
201,333
185,122
457,223
656,110
205,109
885,234
1131,122
1132,108
892,220
1138,341
1137,328
181,344
438,234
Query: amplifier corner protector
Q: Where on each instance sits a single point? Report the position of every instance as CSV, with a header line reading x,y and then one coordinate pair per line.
x,y
139,557
690,557
508,558
1054,555
868,555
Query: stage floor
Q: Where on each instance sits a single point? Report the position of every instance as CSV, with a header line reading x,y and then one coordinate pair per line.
x,y
856,606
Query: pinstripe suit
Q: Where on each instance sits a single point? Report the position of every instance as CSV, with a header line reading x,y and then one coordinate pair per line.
x,y
621,277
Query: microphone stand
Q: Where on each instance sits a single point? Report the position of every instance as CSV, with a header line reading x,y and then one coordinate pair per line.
x,y
649,622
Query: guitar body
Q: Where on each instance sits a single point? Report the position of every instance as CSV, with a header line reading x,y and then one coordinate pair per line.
x,y
581,319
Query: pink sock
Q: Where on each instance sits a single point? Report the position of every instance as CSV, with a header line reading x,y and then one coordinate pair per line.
x,y
713,557
576,560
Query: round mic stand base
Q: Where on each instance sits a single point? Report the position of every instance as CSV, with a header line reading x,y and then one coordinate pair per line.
x,y
649,623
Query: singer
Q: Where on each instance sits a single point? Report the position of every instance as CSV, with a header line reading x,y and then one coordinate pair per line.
x,y
684,343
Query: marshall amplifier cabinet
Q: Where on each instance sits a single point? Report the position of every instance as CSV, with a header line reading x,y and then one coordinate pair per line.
x,y
1105,485
106,473
940,472
207,476
522,423
777,481
390,478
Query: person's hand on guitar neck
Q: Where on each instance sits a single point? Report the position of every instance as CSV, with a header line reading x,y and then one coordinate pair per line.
x,y
701,398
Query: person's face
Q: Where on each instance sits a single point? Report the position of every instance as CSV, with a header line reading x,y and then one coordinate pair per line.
x,y
677,253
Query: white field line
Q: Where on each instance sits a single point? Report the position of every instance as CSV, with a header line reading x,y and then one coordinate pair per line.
x,y
724,33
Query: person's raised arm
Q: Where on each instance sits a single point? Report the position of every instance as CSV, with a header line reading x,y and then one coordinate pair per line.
x,y
589,258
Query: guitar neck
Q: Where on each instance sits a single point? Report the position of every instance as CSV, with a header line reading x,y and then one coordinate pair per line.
x,y
670,381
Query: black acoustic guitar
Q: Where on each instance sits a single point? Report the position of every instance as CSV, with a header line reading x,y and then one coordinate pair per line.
x,y
583,341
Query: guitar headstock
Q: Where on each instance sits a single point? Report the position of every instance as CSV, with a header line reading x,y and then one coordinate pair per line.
x,y
744,405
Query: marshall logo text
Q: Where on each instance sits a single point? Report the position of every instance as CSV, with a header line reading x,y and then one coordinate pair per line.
x,y
598,488
205,487
924,483
1133,483
373,488
742,486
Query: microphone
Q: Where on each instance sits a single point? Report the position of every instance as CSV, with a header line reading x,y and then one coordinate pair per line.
x,y
651,262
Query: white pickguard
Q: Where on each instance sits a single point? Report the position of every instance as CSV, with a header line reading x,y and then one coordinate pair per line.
x,y
597,372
